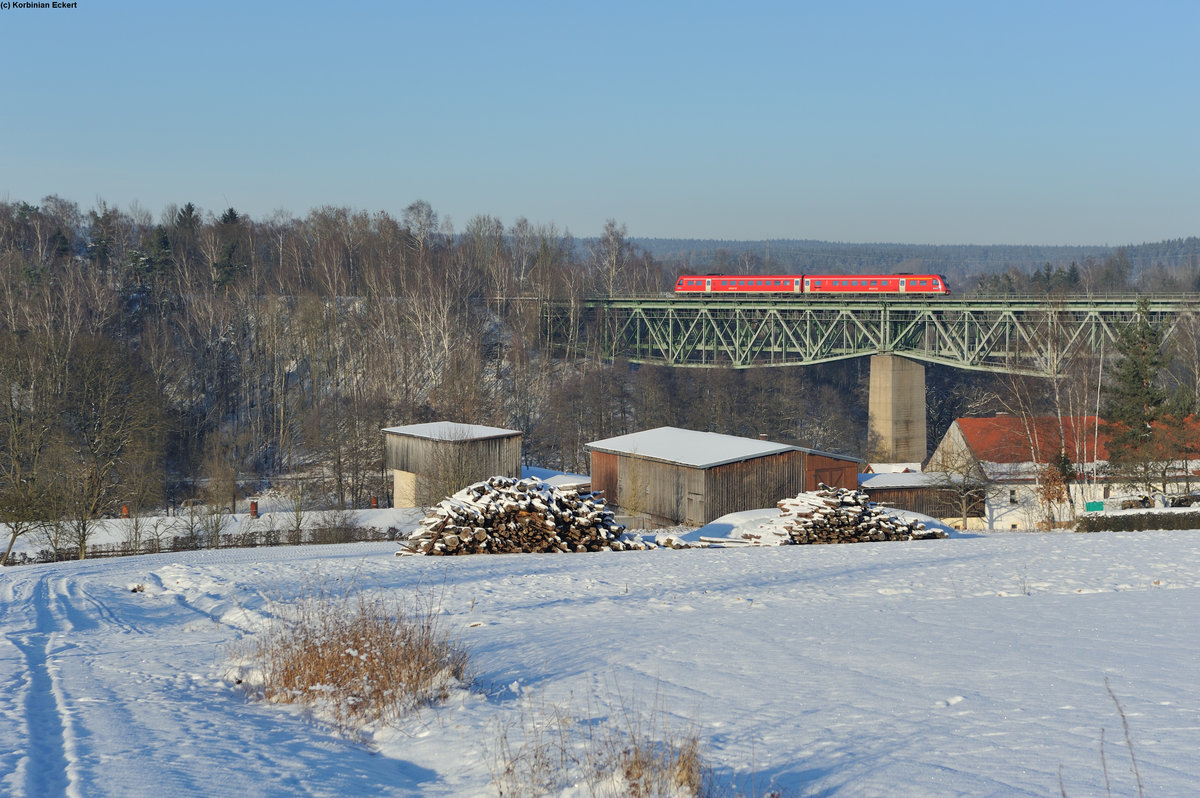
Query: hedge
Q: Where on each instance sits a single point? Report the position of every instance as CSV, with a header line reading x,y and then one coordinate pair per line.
x,y
1137,522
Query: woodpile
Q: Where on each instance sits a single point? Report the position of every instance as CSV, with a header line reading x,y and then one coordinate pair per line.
x,y
838,515
502,515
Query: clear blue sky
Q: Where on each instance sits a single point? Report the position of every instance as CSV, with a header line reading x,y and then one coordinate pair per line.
x,y
919,122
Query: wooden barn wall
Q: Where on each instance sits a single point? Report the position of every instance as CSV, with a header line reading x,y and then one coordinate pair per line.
x,y
673,493
488,457
833,471
752,484
661,491
604,475
670,492
936,502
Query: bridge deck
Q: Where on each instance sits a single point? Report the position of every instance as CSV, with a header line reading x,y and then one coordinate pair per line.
x,y
1025,335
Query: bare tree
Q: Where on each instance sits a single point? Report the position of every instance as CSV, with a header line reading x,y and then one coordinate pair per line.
x,y
28,429
113,420
610,258
957,474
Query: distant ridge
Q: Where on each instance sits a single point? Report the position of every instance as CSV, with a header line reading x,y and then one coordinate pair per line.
x,y
815,256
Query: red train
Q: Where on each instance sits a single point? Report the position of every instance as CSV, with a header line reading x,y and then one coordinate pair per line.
x,y
812,284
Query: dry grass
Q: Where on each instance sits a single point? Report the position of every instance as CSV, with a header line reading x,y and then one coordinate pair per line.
x,y
636,755
357,657
1137,773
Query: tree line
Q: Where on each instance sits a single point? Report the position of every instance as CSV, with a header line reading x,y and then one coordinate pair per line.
x,y
154,360
1167,266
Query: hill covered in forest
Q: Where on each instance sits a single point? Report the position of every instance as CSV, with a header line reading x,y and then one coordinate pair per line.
x,y
820,256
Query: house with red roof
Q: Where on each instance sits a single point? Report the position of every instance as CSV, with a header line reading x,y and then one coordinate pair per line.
x,y
1018,458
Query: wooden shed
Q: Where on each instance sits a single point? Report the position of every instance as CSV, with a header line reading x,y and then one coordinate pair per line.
x,y
432,461
678,476
935,494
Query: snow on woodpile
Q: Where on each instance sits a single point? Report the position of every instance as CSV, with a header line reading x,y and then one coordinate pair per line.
x,y
838,515
503,515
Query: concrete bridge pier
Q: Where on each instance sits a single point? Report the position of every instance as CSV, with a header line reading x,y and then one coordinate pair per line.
x,y
896,410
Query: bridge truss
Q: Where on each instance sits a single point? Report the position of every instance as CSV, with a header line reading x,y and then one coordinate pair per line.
x,y
1016,335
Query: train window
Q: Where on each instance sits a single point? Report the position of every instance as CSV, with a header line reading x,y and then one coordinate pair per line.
x,y
874,282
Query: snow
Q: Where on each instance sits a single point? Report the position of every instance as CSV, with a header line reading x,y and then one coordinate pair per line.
x,y
558,479
972,666
893,468
927,479
689,447
452,431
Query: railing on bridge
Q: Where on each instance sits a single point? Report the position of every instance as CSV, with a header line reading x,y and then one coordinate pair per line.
x,y
1015,334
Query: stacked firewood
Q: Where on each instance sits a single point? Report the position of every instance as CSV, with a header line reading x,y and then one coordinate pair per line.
x,y
838,515
503,515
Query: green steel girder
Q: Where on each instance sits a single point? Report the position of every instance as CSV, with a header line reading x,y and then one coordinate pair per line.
x,y
1018,335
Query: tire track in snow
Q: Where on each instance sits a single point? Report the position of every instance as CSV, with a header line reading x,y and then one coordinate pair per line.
x,y
45,766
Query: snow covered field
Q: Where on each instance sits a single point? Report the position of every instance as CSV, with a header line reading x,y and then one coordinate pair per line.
x,y
971,666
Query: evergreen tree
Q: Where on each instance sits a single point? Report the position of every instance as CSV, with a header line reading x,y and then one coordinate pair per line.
x,y
1135,401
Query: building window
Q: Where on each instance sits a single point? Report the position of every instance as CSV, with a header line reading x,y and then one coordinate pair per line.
x,y
1012,497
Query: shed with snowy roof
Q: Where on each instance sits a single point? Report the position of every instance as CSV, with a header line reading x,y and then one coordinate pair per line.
x,y
935,493
670,475
431,461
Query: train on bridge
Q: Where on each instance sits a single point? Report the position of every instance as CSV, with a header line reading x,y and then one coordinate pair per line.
x,y
826,284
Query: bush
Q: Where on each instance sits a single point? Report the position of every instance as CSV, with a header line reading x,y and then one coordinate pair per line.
x,y
1137,522
636,756
357,658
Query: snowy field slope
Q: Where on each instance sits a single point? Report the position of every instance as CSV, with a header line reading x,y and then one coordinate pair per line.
x,y
970,666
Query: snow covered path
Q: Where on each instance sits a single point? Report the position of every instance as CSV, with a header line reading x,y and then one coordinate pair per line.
x,y
972,666
106,694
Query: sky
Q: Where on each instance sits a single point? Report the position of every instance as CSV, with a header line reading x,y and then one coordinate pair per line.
x,y
923,122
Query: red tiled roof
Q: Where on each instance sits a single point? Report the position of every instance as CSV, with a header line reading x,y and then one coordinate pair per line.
x,y
1005,439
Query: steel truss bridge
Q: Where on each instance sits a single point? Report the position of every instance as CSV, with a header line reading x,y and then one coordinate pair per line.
x,y
1017,335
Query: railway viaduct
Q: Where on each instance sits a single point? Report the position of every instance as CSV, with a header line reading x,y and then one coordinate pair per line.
x,y
1017,335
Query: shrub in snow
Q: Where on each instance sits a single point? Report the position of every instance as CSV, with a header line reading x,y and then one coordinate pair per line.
x,y
502,515
838,515
1137,522
357,658
636,753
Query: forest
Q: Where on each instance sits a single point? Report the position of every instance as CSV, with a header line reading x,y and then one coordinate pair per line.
x,y
196,355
